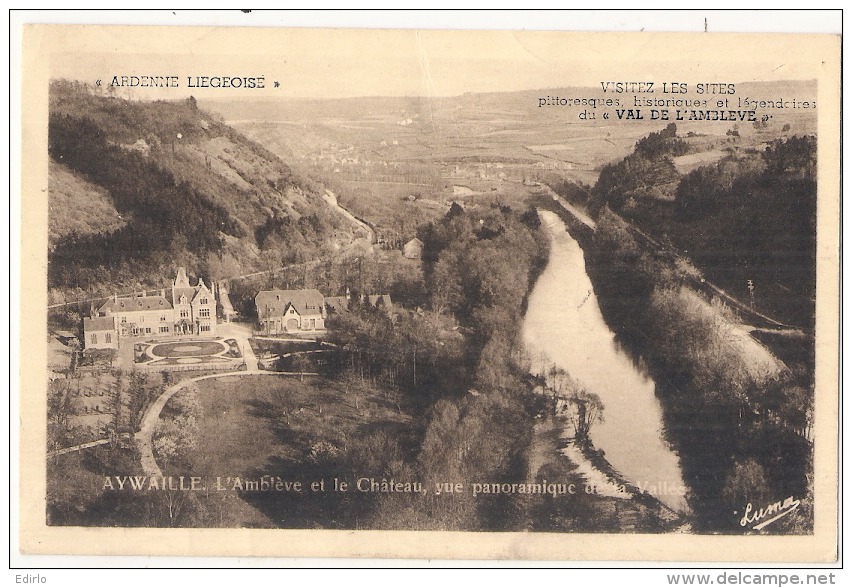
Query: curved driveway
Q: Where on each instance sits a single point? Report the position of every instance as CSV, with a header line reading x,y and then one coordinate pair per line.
x,y
148,425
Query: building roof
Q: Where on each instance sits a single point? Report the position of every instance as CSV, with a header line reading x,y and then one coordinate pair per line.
x,y
181,281
135,304
182,287
413,248
273,303
187,291
337,304
201,291
98,323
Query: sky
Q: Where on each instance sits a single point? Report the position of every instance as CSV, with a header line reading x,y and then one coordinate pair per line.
x,y
336,63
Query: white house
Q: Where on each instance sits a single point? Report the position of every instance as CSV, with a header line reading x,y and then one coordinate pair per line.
x,y
290,311
190,310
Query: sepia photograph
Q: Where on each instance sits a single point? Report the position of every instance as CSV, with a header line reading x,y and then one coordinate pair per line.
x,y
504,291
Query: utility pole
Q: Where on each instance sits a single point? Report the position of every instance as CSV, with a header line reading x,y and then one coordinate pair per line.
x,y
751,292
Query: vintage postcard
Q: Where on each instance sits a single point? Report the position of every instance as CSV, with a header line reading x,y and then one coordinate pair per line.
x,y
429,294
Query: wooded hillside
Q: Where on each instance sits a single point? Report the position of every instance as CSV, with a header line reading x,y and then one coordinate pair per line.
x,y
188,189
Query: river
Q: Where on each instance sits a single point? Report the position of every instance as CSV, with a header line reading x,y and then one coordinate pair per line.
x,y
564,322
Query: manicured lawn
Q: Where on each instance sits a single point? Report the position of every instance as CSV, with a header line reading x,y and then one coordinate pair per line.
x,y
188,349
265,346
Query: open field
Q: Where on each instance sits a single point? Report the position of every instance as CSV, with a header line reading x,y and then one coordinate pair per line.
x,y
401,167
404,166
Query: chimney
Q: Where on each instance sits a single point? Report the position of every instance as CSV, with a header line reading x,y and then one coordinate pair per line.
x,y
115,297
348,293
163,292
143,293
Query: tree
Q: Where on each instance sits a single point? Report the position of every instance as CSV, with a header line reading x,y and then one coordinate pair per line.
x,y
588,410
795,156
178,431
746,483
558,382
634,175
662,143
58,407
301,363
444,283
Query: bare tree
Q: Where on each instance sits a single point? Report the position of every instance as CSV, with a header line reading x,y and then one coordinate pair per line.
x,y
588,410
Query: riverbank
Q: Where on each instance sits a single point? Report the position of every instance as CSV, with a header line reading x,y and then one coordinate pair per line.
x,y
732,410
576,353
603,502
581,231
616,482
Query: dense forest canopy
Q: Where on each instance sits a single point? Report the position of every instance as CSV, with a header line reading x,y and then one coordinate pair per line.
x,y
643,172
460,363
749,216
